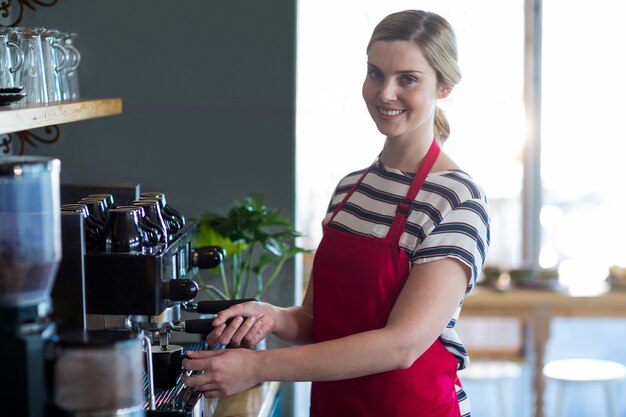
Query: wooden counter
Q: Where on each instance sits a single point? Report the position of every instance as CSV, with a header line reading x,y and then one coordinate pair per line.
x,y
258,401
535,308
524,302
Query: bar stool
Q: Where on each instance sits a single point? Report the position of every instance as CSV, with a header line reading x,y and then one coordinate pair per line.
x,y
496,373
566,372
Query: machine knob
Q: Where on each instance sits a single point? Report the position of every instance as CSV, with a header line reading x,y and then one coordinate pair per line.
x,y
179,290
207,257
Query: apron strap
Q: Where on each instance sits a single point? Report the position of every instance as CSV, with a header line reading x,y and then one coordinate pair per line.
x,y
349,193
406,205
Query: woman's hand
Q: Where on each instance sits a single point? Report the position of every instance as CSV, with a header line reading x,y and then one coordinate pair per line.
x,y
226,371
244,324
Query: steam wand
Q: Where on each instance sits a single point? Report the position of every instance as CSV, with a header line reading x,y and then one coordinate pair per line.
x,y
148,346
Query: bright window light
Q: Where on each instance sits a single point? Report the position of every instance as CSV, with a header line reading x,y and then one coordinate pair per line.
x,y
582,138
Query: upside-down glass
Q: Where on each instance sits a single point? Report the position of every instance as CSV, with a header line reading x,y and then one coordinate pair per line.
x,y
56,58
70,87
11,58
31,74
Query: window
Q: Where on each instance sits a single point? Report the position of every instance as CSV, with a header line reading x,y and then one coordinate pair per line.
x,y
583,227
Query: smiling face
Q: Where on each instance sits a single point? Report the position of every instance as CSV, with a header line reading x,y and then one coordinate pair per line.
x,y
401,90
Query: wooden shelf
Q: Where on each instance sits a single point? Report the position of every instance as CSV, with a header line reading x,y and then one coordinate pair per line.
x,y
14,119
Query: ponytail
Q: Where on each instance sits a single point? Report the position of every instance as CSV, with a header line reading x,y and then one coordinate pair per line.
x,y
442,127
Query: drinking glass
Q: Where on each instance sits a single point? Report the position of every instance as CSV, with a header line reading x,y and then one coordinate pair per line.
x,y
70,87
56,59
11,58
31,75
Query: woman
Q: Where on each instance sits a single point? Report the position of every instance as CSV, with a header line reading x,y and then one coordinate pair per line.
x,y
400,250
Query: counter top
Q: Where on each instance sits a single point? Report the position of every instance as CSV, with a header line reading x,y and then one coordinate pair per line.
x,y
258,401
560,303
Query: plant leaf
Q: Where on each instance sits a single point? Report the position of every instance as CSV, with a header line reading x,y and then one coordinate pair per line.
x,y
208,236
250,223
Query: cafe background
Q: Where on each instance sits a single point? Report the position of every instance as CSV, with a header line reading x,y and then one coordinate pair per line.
x,y
221,99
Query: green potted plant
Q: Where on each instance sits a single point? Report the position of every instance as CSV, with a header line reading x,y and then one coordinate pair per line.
x,y
257,240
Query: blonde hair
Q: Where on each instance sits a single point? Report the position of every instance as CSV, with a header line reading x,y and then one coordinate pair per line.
x,y
435,37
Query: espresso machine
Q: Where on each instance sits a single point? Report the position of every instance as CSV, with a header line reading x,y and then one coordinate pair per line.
x,y
137,272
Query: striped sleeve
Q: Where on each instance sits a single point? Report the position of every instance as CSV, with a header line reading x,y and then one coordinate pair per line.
x,y
462,233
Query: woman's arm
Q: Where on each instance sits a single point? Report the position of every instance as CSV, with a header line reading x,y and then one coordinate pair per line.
x,y
252,322
297,325
427,302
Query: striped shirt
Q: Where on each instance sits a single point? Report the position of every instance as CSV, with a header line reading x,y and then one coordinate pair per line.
x,y
449,218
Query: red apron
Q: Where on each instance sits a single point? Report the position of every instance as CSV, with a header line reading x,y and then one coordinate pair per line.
x,y
356,282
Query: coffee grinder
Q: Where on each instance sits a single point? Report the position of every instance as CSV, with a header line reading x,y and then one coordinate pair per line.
x,y
30,252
